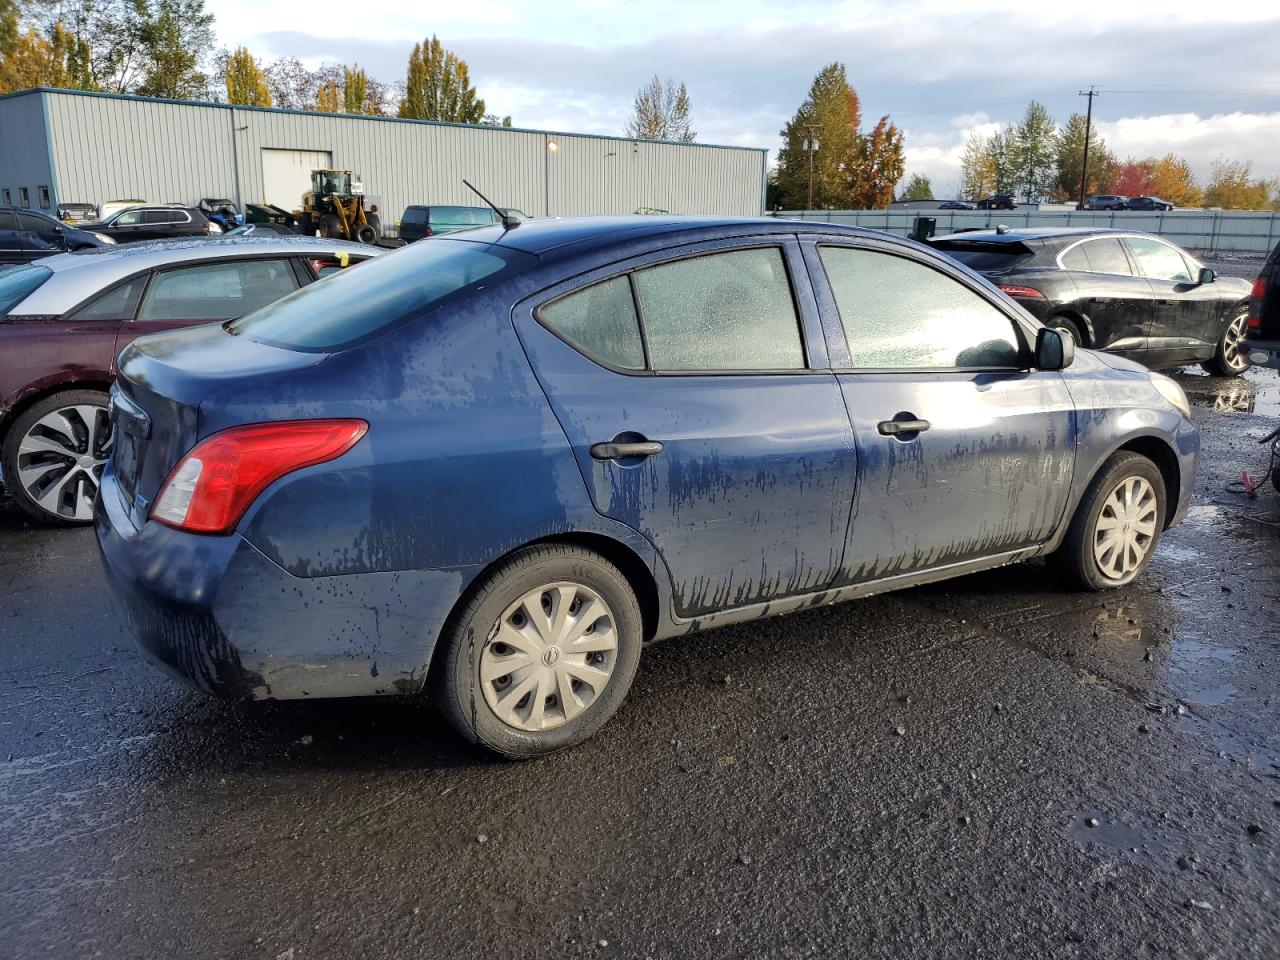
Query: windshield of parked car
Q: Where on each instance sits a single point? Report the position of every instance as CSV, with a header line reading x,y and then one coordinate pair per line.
x,y
388,291
18,283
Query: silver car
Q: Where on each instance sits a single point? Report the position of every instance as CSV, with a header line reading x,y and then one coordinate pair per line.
x,y
64,319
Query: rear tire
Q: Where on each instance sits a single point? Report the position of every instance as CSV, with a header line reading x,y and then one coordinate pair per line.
x,y
376,223
1117,526
1229,360
1068,327
494,651
53,456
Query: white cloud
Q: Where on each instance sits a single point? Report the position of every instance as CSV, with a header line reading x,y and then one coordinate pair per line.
x,y
1199,140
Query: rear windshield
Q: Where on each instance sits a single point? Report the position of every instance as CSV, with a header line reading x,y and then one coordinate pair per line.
x,y
461,215
355,305
17,283
984,257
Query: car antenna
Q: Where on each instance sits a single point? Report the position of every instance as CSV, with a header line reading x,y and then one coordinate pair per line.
x,y
508,222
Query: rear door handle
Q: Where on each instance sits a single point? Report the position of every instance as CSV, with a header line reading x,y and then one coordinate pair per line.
x,y
621,451
891,428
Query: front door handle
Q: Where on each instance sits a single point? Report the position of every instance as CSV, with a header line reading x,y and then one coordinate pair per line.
x,y
893,428
621,451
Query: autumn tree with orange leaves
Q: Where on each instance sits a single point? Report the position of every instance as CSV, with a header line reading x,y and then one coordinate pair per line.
x,y
851,169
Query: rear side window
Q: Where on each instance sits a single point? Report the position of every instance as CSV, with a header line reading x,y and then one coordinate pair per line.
x,y
1098,256
323,266
720,311
217,291
900,314
601,322
163,216
18,283
384,293
117,304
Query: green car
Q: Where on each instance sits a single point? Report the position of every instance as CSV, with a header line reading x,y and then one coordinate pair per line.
x,y
423,221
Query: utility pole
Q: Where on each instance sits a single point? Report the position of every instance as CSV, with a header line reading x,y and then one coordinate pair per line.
x,y
810,143
1088,124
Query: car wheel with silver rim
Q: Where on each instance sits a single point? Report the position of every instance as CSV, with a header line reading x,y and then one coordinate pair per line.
x,y
54,454
1116,527
1231,360
542,652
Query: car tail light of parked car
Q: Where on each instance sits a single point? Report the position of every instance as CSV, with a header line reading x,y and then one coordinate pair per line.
x,y
213,485
1015,290
1255,304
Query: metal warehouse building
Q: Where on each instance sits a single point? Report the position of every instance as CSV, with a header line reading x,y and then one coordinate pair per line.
x,y
60,146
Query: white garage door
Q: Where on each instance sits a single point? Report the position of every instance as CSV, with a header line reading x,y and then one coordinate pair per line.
x,y
286,174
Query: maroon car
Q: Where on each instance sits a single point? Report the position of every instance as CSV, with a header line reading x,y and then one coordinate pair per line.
x,y
64,320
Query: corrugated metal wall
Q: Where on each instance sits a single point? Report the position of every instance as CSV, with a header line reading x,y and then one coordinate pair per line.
x,y
108,147
24,153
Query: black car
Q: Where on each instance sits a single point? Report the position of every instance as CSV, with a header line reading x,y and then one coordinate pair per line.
x,y
999,201
1107,201
1147,203
26,235
955,205
268,218
1133,294
155,222
1262,330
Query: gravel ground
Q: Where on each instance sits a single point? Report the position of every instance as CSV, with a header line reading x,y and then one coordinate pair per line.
x,y
1075,776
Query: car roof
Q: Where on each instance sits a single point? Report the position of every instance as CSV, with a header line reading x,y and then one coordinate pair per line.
x,y
1028,233
567,235
77,276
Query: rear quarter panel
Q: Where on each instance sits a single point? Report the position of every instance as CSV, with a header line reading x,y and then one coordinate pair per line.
x,y
39,353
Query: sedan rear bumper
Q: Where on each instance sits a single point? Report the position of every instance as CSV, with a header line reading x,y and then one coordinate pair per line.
x,y
223,618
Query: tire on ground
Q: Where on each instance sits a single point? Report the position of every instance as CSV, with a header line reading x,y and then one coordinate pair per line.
x,y
456,672
1220,365
1075,558
18,428
1067,325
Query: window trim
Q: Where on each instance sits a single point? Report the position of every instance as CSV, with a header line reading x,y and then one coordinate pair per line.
x,y
723,245
1024,331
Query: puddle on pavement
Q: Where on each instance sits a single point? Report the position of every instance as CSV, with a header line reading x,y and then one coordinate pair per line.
x,y
1157,843
1257,392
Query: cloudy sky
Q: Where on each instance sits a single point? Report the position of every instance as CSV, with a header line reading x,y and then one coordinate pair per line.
x,y
1196,78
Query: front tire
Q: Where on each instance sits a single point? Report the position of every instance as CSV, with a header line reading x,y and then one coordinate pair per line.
x,y
1229,360
1117,525
53,456
542,654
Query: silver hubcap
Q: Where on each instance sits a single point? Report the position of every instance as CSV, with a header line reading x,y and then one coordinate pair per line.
x,y
1231,342
1126,528
548,657
60,460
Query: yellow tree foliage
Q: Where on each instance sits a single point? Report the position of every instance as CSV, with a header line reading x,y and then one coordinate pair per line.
x,y
33,62
1172,180
246,84
329,98
1231,189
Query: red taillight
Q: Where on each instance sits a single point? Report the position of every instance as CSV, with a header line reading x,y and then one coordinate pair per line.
x,y
1255,303
428,233
1014,290
212,486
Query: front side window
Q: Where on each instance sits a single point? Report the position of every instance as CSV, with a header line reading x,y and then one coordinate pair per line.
x,y
217,291
33,224
600,321
900,314
720,311
129,218
1159,261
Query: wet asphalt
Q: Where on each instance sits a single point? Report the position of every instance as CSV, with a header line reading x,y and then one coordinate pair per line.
x,y
990,767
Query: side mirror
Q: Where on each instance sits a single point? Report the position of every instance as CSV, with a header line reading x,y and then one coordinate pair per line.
x,y
1206,276
1054,349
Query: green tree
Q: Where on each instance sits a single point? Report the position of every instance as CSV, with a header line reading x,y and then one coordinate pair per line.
x,y
977,169
1070,161
438,86
355,90
246,83
1033,144
10,28
661,112
917,188
175,36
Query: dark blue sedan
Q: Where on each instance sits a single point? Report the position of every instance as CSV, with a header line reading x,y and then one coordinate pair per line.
x,y
499,462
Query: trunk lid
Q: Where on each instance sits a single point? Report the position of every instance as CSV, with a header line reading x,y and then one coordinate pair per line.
x,y
155,406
